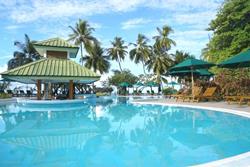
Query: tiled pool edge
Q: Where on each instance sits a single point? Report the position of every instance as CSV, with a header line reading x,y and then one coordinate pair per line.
x,y
7,101
241,159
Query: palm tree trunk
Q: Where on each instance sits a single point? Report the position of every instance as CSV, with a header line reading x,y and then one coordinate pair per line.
x,y
143,65
119,62
81,54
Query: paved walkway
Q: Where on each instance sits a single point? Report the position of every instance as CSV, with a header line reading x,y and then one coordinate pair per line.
x,y
224,105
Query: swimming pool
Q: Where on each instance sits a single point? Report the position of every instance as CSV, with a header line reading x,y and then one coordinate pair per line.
x,y
119,133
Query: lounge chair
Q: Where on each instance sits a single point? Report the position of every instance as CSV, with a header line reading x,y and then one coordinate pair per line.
x,y
244,98
178,96
207,95
9,92
28,93
186,95
240,99
196,93
231,99
22,94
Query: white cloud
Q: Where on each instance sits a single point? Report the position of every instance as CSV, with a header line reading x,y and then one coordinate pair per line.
x,y
135,23
124,5
198,18
183,5
95,25
13,27
191,34
27,11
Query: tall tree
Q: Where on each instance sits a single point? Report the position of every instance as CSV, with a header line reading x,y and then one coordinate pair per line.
x,y
160,61
162,40
26,53
231,29
96,60
82,36
118,50
124,76
180,56
141,51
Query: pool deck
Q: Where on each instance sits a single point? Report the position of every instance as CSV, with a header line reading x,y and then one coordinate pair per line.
x,y
224,105
242,160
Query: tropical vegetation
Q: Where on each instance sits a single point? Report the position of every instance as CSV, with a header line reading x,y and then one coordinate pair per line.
x,y
82,36
230,31
141,52
122,76
96,60
26,53
160,60
230,36
118,50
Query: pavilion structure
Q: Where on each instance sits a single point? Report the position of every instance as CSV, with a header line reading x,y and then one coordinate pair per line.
x,y
54,67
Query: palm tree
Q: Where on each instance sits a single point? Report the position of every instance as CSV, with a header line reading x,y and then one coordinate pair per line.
x,y
180,56
96,60
141,51
162,40
159,63
118,50
160,60
26,53
82,35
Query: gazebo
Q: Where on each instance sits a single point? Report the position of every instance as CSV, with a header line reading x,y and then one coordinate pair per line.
x,y
54,67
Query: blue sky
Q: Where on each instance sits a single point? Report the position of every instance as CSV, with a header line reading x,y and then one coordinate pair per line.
x,y
43,19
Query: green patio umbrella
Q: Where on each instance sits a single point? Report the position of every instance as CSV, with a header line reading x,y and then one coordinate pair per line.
x,y
151,84
240,60
191,64
124,84
198,72
172,83
138,84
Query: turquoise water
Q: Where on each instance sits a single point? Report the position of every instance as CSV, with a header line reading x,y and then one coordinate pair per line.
x,y
118,133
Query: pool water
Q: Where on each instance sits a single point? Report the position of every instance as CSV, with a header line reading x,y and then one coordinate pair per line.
x,y
118,133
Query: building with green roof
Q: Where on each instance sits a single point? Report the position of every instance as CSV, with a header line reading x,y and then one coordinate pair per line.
x,y
56,47
54,67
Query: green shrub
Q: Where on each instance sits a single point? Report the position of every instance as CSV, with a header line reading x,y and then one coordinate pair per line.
x,y
4,96
169,91
98,94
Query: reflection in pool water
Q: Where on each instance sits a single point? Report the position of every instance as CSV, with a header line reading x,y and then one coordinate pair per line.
x,y
118,133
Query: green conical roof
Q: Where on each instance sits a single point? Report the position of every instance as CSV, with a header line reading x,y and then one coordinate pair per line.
x,y
61,70
55,42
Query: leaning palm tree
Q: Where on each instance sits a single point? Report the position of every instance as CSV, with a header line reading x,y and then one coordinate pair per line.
x,y
162,40
82,35
118,50
141,51
96,60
